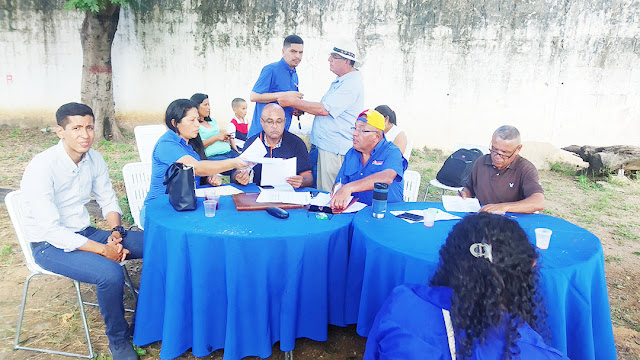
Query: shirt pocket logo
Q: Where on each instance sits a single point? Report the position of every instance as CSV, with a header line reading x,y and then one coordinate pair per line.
x,y
377,162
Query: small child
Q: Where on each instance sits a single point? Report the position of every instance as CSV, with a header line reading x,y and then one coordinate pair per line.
x,y
238,126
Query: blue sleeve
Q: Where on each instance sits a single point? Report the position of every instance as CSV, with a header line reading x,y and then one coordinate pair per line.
x,y
168,152
341,177
263,84
395,161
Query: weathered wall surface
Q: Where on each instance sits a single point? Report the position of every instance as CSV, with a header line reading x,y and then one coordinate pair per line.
x,y
562,71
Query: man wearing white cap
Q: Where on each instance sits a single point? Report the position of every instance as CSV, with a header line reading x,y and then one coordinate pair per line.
x,y
335,114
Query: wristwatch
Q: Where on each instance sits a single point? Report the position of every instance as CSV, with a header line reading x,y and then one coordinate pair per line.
x,y
121,230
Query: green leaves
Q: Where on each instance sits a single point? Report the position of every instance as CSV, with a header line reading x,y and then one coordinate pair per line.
x,y
92,5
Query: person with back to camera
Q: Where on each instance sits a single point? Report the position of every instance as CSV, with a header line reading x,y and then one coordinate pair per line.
x,y
487,280
175,145
392,132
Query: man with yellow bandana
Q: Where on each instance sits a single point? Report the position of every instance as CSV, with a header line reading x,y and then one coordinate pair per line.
x,y
372,159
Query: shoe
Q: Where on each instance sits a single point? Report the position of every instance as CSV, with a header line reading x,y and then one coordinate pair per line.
x,y
123,351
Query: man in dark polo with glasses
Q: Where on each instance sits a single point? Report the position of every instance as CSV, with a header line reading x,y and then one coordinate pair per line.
x,y
503,181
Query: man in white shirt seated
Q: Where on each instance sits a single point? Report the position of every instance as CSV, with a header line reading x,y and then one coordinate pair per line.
x,y
56,186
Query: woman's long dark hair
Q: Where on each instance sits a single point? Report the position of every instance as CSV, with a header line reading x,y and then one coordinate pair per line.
x,y
198,98
488,295
177,110
387,112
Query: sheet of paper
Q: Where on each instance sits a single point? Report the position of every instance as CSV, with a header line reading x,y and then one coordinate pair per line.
x,y
322,199
355,207
220,190
440,215
273,196
254,153
458,204
276,171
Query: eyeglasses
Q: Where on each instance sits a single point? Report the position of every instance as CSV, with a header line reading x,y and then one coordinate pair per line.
x,y
336,56
502,155
361,131
272,123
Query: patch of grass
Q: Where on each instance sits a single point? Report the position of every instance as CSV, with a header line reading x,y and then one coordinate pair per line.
x,y
15,133
587,184
636,253
563,168
627,231
612,258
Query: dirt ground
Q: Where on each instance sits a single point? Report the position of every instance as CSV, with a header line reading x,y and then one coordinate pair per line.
x,y
606,206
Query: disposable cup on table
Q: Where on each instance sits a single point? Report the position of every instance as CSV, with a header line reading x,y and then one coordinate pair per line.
x,y
543,236
430,216
210,208
212,194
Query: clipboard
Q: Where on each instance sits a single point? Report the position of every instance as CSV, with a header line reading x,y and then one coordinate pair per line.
x,y
247,202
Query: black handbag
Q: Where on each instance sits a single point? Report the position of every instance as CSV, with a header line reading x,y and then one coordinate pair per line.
x,y
179,180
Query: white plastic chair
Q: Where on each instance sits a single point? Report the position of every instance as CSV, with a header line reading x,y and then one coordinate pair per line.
x,y
411,185
137,179
439,185
146,138
13,201
14,207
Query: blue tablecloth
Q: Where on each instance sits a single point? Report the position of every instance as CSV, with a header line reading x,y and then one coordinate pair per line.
x,y
388,252
240,280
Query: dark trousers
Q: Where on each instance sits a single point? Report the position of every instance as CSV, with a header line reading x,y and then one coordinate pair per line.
x,y
92,268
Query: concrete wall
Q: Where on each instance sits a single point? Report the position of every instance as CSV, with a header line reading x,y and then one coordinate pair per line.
x,y
564,72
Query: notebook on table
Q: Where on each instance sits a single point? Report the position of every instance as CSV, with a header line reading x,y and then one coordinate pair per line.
x,y
247,202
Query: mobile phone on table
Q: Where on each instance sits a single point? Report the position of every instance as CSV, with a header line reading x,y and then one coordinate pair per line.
x,y
410,216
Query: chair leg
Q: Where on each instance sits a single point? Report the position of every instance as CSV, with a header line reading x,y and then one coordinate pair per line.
x,y
134,291
16,345
288,355
426,193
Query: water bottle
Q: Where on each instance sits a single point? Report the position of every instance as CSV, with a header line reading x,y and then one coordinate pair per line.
x,y
380,193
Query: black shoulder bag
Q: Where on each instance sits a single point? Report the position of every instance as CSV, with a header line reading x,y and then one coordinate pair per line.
x,y
179,180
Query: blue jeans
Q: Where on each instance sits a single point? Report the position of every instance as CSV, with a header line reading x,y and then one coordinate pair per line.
x,y
92,268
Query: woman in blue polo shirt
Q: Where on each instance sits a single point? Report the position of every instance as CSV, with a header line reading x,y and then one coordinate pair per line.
x,y
174,146
482,302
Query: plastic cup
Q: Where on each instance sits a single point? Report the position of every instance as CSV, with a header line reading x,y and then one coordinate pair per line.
x,y
430,216
543,236
210,208
212,194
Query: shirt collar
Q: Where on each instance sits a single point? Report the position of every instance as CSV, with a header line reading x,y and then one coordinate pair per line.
x,y
66,159
263,137
287,67
177,137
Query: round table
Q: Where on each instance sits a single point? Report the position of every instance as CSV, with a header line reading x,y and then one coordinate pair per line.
x,y
240,280
389,252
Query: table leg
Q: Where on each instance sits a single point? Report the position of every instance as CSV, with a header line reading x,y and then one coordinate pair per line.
x,y
288,355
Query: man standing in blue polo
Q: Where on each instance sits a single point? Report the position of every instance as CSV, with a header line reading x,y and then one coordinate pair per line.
x,y
372,159
335,114
276,79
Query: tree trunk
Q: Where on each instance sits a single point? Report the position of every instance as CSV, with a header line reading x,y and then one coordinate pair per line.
x,y
98,30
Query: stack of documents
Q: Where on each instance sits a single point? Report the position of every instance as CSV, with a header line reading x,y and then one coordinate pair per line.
x,y
458,204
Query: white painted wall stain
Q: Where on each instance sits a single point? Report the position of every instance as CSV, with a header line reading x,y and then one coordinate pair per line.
x,y
562,72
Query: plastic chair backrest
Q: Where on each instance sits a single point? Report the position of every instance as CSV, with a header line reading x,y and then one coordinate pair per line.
x,y
13,201
484,149
407,150
137,179
146,138
411,185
